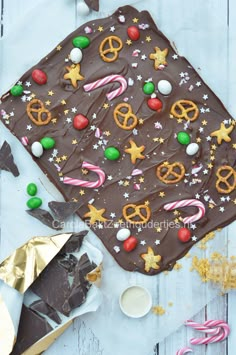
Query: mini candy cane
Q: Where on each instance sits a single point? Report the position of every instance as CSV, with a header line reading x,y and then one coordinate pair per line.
x,y
219,335
203,328
92,185
184,351
104,81
25,141
184,203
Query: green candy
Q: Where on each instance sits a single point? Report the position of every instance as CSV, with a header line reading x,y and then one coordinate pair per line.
x,y
183,138
81,42
17,90
148,88
32,189
34,202
112,153
48,143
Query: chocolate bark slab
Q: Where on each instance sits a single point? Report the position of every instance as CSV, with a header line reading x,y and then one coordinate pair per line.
x,y
147,58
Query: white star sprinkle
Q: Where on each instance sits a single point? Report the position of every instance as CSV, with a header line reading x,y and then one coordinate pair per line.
x,y
175,56
117,249
95,146
205,172
201,129
182,75
222,199
100,226
208,138
126,195
50,159
144,57
198,83
139,77
74,110
193,226
94,116
28,84
222,209
157,242
109,177
93,128
112,215
135,132
205,97
197,196
29,127
208,110
194,238
202,110
112,29
143,242
68,120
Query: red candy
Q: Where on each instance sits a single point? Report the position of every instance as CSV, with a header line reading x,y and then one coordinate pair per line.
x,y
80,122
130,244
155,104
133,33
39,76
184,235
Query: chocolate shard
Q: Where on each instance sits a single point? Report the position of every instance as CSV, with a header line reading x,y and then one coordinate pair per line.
x,y
44,217
32,328
85,265
63,210
73,245
53,287
92,4
42,307
7,160
69,263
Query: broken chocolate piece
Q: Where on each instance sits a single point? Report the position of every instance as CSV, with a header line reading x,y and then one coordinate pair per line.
x,y
7,160
32,328
92,4
44,217
42,307
85,266
63,210
73,245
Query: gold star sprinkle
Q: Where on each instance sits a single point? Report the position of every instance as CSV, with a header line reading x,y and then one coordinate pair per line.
x,y
204,123
213,147
107,133
74,199
95,215
212,158
223,133
126,183
147,203
59,48
210,166
50,93
129,42
211,206
158,229
179,120
161,140
176,213
106,106
141,121
32,96
234,201
81,192
64,157
84,171
141,180
156,139
73,74
151,260
159,57
234,145
63,102
48,103
100,29
74,141
148,39
162,194
135,151
58,160
54,120
135,20
198,140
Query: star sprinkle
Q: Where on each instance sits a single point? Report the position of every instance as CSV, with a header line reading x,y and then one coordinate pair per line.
x,y
50,93
100,29
135,151
135,20
151,260
148,39
222,134
73,74
159,57
129,42
95,215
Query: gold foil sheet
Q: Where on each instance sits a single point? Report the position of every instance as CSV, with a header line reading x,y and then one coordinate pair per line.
x,y
26,263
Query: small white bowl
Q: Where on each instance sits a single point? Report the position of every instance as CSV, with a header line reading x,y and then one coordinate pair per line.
x,y
134,298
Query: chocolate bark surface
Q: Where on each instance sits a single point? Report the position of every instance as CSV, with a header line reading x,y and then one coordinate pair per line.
x,y
149,147
32,328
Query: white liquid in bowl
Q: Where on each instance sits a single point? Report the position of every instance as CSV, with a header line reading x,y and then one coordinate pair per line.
x,y
135,301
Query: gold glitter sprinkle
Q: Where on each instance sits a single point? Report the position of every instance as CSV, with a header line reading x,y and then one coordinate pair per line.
x,y
177,266
158,310
156,139
66,112
126,183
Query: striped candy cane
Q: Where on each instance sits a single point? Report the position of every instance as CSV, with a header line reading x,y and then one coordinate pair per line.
x,y
109,79
184,351
187,203
219,332
89,184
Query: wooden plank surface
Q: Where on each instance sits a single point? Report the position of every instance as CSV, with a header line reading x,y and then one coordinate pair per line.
x,y
195,28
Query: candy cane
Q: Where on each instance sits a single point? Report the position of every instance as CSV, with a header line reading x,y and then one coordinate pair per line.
x,y
184,351
184,203
92,185
104,81
203,328
222,334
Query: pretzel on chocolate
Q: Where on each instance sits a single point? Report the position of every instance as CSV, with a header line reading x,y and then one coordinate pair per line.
x,y
228,180
106,47
37,112
170,173
142,212
185,109
124,116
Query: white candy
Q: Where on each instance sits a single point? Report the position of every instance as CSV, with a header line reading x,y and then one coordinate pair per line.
x,y
192,149
164,87
83,9
123,234
76,55
37,149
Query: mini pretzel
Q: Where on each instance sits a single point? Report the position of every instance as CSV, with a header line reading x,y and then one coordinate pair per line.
x,y
170,173
38,114
185,109
228,187
137,212
125,120
106,47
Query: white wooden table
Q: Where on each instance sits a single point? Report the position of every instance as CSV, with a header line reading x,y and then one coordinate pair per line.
x,y
207,37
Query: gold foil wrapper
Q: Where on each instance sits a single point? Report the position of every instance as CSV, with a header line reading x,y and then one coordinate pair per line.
x,y
21,268
95,276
